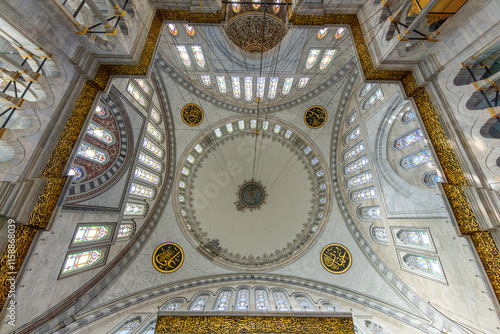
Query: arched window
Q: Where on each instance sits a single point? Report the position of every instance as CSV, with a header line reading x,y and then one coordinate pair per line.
x,y
198,55
261,86
2,82
154,131
76,172
100,110
408,116
322,32
173,305
128,326
189,29
366,89
353,117
140,190
199,302
172,28
416,159
149,161
147,176
426,265
223,300
363,194
431,178
379,234
144,86
92,153
125,230
261,300
91,233
149,329
359,179
242,299
276,7
311,58
135,209
235,82
417,238
256,6
303,82
372,99
79,260
408,139
281,301
205,80
148,145
305,303
236,7
287,86
184,55
136,94
248,89
351,135
354,151
331,307
340,32
370,212
273,88
99,133
155,115
356,165
327,58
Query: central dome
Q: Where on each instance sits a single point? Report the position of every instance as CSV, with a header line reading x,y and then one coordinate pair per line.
x,y
282,195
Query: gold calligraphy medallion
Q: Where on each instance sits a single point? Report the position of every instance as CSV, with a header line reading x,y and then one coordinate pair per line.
x,y
315,117
168,257
336,258
192,114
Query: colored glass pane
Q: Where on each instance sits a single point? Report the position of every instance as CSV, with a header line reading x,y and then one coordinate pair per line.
x,y
189,29
339,32
305,304
322,32
235,82
363,194
172,305
199,303
256,6
222,302
91,153
307,150
281,301
185,171
276,8
408,116
136,94
139,190
148,144
265,125
229,128
236,7
366,89
253,124
76,172
354,151
273,88
149,161
311,58
99,133
408,139
81,260
154,131
150,329
261,300
155,115
303,82
198,56
377,95
359,179
128,327
431,178
356,165
353,117
218,133
134,209
370,212
248,89
143,174
221,84
288,134
426,265
380,234
242,300
191,159
100,110
145,87
125,230
172,28
277,128
416,159
327,58
205,80
352,135
90,233
287,86
2,82
415,238
261,86
184,55
198,148
241,125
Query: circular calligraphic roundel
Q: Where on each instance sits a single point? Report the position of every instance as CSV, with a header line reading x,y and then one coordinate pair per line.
x,y
315,117
168,257
192,114
336,258
252,194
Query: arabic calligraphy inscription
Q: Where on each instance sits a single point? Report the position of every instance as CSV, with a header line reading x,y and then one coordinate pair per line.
x,y
168,257
192,114
336,258
315,117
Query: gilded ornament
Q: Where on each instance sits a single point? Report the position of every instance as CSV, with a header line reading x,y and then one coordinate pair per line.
x,y
168,257
336,258
315,117
192,114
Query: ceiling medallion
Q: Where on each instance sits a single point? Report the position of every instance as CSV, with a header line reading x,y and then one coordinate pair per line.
x,y
168,257
336,258
315,117
252,195
192,114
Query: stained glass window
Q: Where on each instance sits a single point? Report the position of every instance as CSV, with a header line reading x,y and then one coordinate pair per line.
x,y
90,233
359,179
287,86
366,89
100,110
256,6
235,82
307,150
265,125
140,190
236,7
363,194
350,136
304,303
354,151
145,87
327,58
370,212
189,29
99,133
146,176
353,117
377,95
198,148
182,184
128,327
314,161
125,230
150,329
408,116
173,305
302,82
136,94
91,153
80,260
149,161
408,139
253,124
134,209
261,300
242,298
184,55
148,144
322,32
276,7
154,131
185,171
277,128
416,159
172,28
198,56
380,234
218,133
2,82
77,172
222,302
288,134
261,86
273,88
241,125
221,84
415,238
191,159
311,59
356,165
248,88
339,32
199,303
155,115
431,178
426,265
281,301
229,128
205,80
